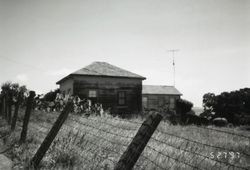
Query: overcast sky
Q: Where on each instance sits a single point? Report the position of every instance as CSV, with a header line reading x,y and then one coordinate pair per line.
x,y
43,41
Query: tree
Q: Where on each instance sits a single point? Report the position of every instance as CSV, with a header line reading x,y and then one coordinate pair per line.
x,y
231,105
6,86
209,101
13,89
245,97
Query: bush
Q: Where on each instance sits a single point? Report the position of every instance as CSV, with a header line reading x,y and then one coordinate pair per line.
x,y
183,106
51,96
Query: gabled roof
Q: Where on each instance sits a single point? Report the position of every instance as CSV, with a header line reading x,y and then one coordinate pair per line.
x,y
103,69
159,89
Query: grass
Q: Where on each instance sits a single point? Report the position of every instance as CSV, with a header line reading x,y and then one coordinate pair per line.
x,y
97,143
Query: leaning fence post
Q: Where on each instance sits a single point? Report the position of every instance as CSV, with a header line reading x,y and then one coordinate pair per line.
x,y
14,119
27,116
51,135
139,142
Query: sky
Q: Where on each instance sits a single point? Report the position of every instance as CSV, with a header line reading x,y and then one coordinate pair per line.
x,y
43,41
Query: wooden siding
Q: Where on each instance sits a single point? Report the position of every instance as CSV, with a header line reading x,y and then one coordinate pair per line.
x,y
67,87
107,89
156,101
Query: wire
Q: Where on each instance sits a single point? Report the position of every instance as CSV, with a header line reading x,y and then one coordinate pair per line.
x,y
21,63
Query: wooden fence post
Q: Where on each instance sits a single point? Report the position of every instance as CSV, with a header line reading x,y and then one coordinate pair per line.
x,y
2,108
139,142
1,103
51,135
14,119
5,106
26,118
9,108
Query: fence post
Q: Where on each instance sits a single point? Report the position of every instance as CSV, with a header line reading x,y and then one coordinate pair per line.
x,y
51,135
9,108
27,116
14,119
1,103
139,142
5,106
2,108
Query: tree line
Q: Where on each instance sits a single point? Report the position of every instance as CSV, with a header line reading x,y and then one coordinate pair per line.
x,y
233,105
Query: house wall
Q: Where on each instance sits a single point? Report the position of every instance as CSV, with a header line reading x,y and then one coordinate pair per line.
x,y
107,89
156,101
67,86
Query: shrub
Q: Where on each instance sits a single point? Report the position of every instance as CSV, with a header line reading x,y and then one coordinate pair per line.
x,y
183,106
51,96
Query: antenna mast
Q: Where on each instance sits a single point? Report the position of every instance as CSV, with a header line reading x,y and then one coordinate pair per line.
x,y
173,51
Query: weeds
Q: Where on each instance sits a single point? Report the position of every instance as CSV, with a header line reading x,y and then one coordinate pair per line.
x,y
97,143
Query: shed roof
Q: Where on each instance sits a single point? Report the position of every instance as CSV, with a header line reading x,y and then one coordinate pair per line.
x,y
104,69
160,89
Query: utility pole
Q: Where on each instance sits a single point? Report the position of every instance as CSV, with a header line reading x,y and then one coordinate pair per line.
x,y
173,51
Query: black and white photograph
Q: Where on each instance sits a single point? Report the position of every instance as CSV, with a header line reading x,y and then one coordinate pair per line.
x,y
125,84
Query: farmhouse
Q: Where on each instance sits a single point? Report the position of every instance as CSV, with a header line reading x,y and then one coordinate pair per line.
x,y
113,87
156,96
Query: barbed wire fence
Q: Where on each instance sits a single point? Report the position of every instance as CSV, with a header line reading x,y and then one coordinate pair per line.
x,y
101,143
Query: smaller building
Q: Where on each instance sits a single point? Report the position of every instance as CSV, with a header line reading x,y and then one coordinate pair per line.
x,y
157,96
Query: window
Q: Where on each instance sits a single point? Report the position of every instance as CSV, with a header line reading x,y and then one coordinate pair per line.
x,y
172,103
145,102
153,102
92,93
167,99
161,101
122,98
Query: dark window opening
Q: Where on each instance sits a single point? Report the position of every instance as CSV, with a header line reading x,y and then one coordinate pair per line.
x,y
121,98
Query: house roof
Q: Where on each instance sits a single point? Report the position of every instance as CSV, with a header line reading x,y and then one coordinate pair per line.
x,y
103,69
159,89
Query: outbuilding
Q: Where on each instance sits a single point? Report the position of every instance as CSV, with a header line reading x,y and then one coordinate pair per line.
x,y
157,96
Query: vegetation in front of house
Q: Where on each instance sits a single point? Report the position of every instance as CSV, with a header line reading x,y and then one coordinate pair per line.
x,y
97,142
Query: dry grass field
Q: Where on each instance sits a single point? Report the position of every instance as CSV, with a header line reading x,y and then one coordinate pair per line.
x,y
98,142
